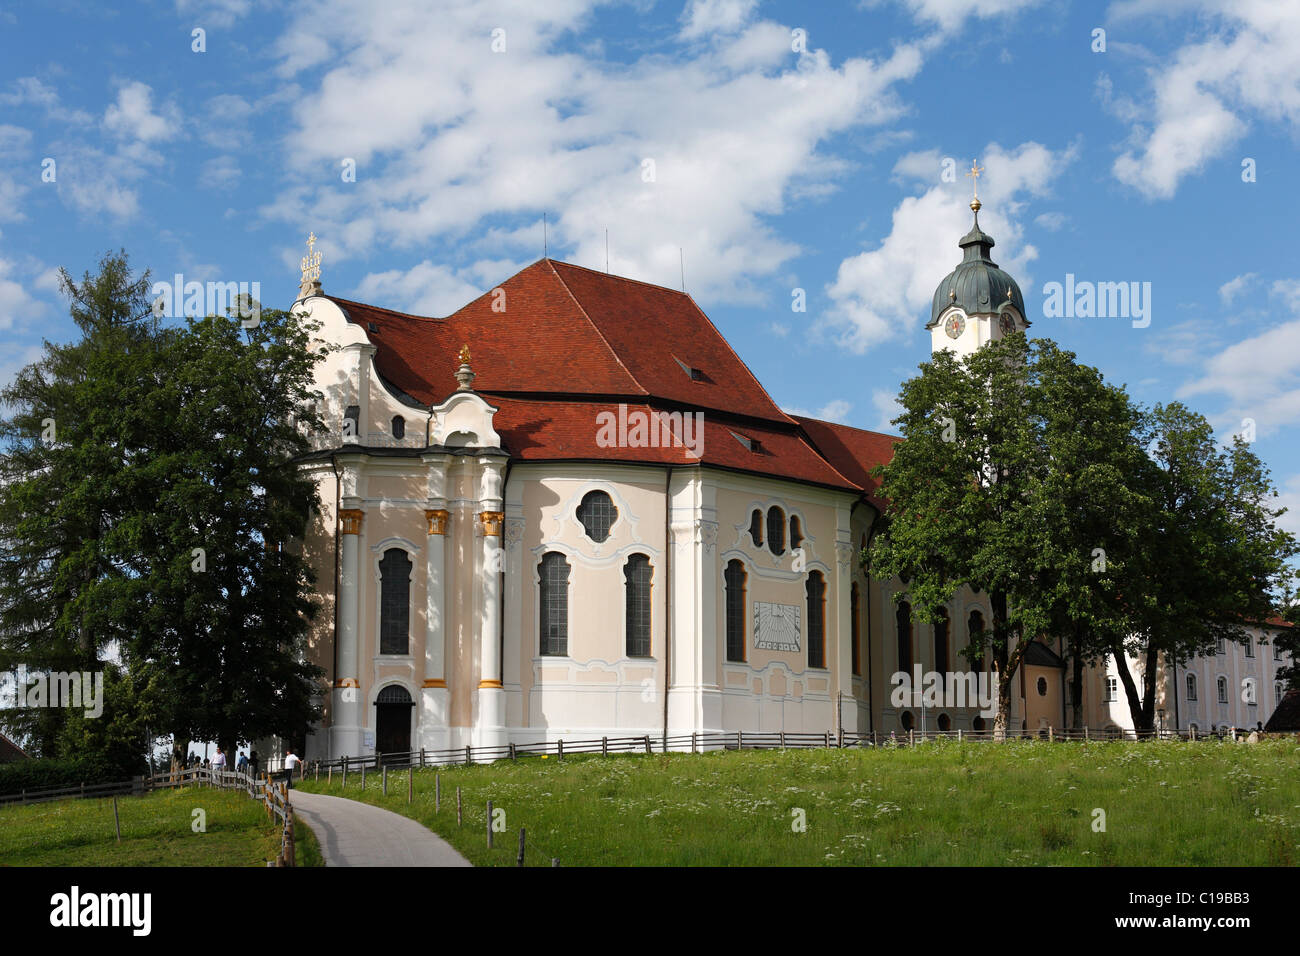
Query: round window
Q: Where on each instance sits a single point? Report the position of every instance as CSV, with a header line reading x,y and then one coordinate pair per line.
x,y
1042,687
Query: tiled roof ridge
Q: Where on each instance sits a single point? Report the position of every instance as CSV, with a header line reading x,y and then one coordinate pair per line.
x,y
594,327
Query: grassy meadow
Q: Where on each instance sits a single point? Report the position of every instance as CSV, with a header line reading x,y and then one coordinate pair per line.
x,y
939,804
156,831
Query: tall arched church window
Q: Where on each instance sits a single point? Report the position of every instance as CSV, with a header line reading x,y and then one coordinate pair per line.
x,y
815,590
775,530
941,642
974,635
394,602
1191,687
734,580
636,581
855,626
1222,685
796,532
597,513
756,528
553,574
903,619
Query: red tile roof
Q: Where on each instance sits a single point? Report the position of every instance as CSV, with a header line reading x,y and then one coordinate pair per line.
x,y
566,343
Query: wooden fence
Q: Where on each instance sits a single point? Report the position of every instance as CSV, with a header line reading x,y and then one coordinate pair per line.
x,y
729,740
274,796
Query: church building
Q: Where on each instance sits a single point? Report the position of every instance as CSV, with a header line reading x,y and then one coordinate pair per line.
x,y
570,510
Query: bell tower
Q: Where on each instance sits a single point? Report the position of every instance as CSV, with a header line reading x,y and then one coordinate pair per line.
x,y
977,302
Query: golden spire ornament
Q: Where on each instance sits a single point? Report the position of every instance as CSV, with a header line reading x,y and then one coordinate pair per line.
x,y
974,174
464,375
310,284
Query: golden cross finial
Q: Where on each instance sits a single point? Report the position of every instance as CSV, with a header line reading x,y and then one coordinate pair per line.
x,y
310,269
311,242
464,354
974,174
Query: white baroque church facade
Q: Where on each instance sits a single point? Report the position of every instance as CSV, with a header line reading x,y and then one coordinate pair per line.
x,y
569,510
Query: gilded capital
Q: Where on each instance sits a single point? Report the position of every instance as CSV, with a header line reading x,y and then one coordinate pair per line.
x,y
437,518
491,522
350,518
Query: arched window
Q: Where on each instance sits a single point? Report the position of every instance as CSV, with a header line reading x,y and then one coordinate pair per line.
x,y
351,423
597,513
756,528
977,724
776,530
399,427
815,588
1250,646
636,575
734,579
941,642
945,723
1191,687
394,602
906,719
553,573
1042,686
1222,684
796,532
903,619
975,635
855,627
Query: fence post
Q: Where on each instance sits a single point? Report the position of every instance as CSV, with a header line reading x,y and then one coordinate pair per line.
x,y
693,745
840,739
740,739
783,740
489,824
911,737
559,752
958,735
437,791
1050,735
647,743
421,757
410,784
363,776
468,757
457,806
828,740
117,821
385,774
1085,733
1193,733
520,861
345,771
513,753
604,746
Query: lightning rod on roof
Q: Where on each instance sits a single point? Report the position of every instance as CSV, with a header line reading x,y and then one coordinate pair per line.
x,y
682,258
544,255
606,252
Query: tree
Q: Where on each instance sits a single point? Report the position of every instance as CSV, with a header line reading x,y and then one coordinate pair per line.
x,y
67,438
231,598
1213,557
957,492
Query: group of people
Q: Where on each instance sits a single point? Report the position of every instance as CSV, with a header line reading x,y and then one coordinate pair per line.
x,y
246,762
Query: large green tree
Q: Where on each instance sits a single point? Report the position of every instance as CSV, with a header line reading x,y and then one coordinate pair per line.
x,y
151,508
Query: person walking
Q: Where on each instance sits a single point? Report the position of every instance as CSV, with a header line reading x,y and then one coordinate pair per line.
x,y
254,761
291,763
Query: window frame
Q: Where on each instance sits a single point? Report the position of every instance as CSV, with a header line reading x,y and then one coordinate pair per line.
x,y
741,608
544,648
628,565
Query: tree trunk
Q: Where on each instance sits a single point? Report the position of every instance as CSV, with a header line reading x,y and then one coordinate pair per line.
x,y
1130,688
1006,664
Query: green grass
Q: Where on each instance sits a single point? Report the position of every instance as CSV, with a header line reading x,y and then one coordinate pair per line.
x,y
306,848
157,830
970,804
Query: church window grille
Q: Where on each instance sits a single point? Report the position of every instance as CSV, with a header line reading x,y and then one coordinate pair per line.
x,y
554,576
734,579
637,574
815,589
394,602
776,530
597,513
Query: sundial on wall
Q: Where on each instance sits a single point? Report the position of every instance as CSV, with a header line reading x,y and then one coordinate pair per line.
x,y
776,626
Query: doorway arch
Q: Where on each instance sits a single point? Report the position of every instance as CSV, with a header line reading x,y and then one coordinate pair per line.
x,y
394,710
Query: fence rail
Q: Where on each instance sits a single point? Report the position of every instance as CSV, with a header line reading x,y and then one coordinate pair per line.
x,y
727,740
274,796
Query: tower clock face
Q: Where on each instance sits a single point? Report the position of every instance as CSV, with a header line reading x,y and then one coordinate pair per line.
x,y
1007,324
955,325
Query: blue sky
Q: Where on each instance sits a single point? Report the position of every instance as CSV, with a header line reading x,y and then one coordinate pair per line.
x,y
775,168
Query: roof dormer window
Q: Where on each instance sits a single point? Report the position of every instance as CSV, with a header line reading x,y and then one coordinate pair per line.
x,y
695,374
751,444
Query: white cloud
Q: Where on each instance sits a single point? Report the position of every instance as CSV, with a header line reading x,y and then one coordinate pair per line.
x,y
220,172
16,358
28,90
882,293
454,144
1260,376
132,116
16,304
950,15
1051,221
702,17
836,410
1288,497
426,289
1246,66
1234,287
887,409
